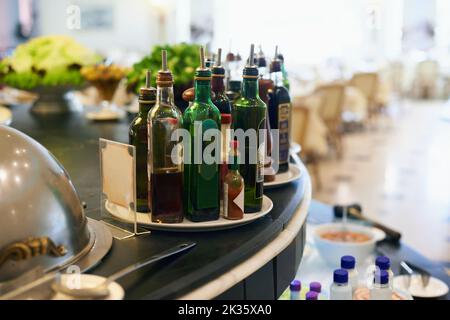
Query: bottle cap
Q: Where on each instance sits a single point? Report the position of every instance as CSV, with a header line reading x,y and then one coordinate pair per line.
x,y
275,65
147,93
202,73
225,118
381,277
296,285
250,70
383,263
340,276
315,286
218,70
348,262
164,77
312,295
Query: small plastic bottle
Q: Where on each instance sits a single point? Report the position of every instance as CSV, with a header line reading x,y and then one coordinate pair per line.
x,y
340,289
312,295
295,287
381,289
383,263
349,263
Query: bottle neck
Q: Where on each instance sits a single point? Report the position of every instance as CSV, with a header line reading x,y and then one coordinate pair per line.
x,y
250,89
164,96
233,161
217,84
144,107
202,91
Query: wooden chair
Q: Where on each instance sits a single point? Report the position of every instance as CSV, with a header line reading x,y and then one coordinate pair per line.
x,y
299,127
367,83
331,108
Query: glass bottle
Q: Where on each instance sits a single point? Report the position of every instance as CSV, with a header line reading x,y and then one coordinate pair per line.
x,y
280,113
233,187
340,289
284,72
249,112
234,91
202,179
165,165
137,135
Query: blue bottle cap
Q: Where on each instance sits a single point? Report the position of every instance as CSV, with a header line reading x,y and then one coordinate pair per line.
x,y
340,276
312,295
315,286
348,262
381,277
296,285
383,263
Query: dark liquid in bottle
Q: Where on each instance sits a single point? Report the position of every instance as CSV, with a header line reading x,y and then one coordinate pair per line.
x,y
167,197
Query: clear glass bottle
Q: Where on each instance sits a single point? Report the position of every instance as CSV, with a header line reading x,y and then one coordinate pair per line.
x,y
381,289
384,263
138,138
349,263
166,173
340,289
295,288
201,197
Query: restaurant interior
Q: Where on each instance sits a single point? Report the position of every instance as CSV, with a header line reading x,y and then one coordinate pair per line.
x,y
361,206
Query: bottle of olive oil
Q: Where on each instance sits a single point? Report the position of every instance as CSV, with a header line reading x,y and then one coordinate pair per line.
x,y
201,183
249,112
166,172
138,137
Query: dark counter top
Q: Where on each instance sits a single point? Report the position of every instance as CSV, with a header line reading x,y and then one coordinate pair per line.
x,y
74,142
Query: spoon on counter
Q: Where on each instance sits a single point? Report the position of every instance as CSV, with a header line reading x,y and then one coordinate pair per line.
x,y
101,290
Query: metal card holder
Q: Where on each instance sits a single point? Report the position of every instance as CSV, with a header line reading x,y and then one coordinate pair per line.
x,y
118,182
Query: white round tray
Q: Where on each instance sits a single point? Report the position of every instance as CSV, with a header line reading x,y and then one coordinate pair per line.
x,y
144,219
294,173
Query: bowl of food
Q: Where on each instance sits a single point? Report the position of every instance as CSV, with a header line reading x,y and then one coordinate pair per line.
x,y
335,240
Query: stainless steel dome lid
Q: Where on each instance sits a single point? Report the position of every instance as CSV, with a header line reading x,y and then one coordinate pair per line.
x,y
42,222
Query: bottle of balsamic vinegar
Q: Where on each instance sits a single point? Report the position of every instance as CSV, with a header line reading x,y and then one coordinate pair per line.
x,y
249,112
201,196
137,135
280,112
166,172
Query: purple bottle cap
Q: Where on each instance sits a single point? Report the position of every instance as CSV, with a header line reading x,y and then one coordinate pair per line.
x,y
340,276
312,295
383,263
381,277
296,285
315,287
348,262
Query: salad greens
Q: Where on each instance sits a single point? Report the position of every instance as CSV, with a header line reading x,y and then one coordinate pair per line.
x,y
182,61
46,61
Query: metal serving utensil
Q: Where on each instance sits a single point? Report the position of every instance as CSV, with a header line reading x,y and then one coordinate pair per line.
x,y
101,291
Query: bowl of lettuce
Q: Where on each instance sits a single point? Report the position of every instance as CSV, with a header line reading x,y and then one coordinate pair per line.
x,y
47,65
182,60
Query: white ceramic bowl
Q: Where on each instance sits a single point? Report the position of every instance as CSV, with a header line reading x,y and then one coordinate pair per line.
x,y
332,251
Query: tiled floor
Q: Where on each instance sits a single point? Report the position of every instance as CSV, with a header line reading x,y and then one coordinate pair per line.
x,y
399,170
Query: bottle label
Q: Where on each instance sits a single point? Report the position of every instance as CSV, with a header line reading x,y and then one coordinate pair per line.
x,y
225,200
239,200
260,160
284,111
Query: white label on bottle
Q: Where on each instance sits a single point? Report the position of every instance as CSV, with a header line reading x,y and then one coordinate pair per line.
x,y
225,200
239,200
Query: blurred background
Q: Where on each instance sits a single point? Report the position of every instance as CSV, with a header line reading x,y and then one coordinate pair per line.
x,y
369,81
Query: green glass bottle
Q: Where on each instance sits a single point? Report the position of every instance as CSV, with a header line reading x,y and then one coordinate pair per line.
x,y
137,135
201,180
165,165
249,112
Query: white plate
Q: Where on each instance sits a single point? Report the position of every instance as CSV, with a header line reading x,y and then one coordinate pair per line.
x,y
105,115
435,289
5,116
116,291
294,173
144,219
